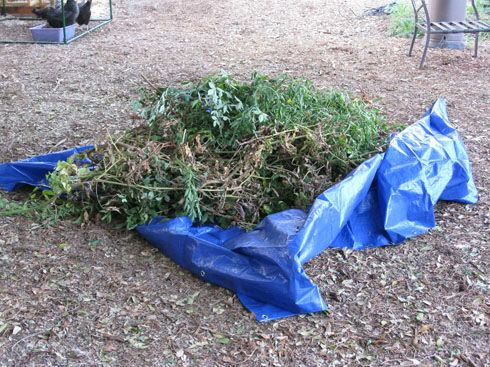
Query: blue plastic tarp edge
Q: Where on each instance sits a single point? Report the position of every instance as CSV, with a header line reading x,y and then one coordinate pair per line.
x,y
33,171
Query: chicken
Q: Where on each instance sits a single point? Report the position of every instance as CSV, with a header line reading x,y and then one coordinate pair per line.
x,y
85,13
54,16
43,12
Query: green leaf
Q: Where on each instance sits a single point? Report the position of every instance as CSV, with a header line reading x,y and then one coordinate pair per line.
x,y
2,328
222,339
190,300
139,345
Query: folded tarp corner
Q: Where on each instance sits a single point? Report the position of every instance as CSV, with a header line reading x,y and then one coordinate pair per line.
x,y
388,198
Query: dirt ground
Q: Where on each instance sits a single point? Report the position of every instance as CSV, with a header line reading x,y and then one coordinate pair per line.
x,y
92,295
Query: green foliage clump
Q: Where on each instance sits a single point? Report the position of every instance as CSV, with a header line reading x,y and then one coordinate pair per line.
x,y
224,152
402,21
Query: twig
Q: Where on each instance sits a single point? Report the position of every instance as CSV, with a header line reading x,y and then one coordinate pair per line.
x,y
341,13
467,359
149,83
31,335
168,317
249,357
392,361
57,84
110,337
57,144
477,267
197,329
220,214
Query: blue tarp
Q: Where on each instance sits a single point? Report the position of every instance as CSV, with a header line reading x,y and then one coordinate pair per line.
x,y
387,199
33,171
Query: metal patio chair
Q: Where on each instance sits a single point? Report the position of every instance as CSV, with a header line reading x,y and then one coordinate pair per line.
x,y
426,25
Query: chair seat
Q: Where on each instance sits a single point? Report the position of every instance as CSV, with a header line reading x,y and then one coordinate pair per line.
x,y
424,24
456,27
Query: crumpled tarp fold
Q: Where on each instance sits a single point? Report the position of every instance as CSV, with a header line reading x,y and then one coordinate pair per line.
x,y
33,171
387,199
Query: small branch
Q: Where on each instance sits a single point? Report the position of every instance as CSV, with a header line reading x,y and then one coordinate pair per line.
x,y
58,81
467,359
220,214
110,337
149,83
56,145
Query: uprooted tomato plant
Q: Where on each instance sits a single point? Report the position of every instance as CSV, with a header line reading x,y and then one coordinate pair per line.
x,y
219,151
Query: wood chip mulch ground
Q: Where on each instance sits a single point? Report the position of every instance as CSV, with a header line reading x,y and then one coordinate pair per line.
x,y
92,295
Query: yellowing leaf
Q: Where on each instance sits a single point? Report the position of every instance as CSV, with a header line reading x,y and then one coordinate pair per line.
x,y
306,333
424,328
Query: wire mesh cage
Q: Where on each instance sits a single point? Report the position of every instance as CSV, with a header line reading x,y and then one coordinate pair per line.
x,y
18,24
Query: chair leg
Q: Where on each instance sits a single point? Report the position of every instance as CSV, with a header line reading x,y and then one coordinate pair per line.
x,y
476,45
427,40
413,41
